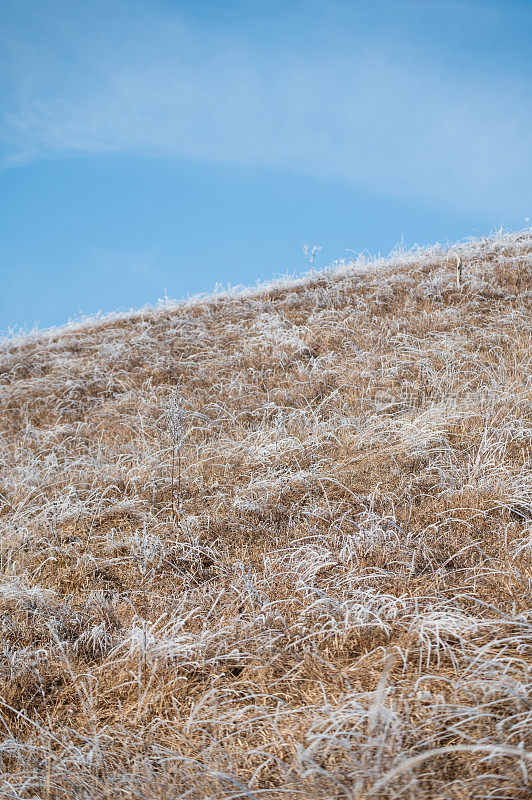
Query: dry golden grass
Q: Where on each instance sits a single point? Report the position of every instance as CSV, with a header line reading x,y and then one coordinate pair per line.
x,y
336,602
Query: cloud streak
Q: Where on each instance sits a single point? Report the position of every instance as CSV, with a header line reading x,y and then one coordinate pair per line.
x,y
383,115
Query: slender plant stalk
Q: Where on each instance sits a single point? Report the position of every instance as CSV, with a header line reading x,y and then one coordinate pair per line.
x,y
459,271
174,512
176,423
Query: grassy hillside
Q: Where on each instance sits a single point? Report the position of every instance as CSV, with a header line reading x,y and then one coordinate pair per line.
x,y
275,544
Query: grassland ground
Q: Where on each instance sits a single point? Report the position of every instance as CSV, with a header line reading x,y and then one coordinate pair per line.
x,y
277,543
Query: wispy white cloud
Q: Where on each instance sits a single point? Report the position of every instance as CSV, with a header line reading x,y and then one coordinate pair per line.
x,y
382,114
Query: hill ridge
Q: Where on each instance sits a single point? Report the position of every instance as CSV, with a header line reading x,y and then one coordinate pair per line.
x,y
362,264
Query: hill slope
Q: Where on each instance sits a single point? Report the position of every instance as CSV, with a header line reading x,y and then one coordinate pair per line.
x,y
307,572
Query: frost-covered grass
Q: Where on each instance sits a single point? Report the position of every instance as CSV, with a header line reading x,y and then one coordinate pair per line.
x,y
275,543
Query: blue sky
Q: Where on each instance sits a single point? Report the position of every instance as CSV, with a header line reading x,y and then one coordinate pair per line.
x,y
166,146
